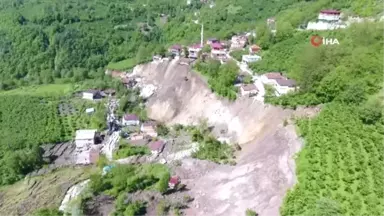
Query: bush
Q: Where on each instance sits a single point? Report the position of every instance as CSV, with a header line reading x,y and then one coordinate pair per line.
x,y
48,212
162,130
129,150
250,212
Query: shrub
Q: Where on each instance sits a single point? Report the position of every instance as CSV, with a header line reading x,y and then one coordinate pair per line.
x,y
250,212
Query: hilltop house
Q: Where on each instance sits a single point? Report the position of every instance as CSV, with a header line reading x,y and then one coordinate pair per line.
x,y
130,119
175,50
173,182
194,51
254,49
281,83
92,94
238,41
248,90
327,20
149,128
156,147
218,51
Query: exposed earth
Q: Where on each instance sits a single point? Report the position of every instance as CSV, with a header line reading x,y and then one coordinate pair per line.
x,y
265,167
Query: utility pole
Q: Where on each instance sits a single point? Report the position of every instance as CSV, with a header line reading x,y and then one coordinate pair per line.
x,y
202,35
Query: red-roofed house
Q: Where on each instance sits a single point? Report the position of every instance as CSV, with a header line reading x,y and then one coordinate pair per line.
x,y
156,146
173,182
194,50
130,119
217,51
329,15
175,49
254,49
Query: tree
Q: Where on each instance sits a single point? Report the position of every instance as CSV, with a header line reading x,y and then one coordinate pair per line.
x,y
48,212
162,185
206,49
162,129
250,212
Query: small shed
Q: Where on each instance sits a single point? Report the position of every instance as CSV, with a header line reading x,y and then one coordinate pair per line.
x,y
90,110
173,182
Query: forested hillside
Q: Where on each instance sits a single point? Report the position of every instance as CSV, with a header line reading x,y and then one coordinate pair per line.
x,y
42,41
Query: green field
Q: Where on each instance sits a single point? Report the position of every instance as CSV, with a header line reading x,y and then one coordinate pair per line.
x,y
32,116
122,65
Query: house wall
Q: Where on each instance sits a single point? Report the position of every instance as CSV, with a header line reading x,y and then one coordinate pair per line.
x,y
245,93
321,25
283,89
131,122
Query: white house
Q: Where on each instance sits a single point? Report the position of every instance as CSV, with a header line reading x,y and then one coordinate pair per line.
x,y
91,94
85,138
149,128
193,51
90,110
250,58
281,83
130,119
327,20
248,90
329,15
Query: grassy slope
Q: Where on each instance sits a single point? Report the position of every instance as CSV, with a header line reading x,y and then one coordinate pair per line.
x,y
27,195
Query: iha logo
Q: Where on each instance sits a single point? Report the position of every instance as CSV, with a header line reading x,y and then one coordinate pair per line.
x,y
317,40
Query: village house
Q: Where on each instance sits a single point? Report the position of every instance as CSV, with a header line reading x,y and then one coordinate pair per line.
x,y
156,147
218,51
327,20
248,90
92,95
194,51
281,83
149,128
212,40
175,50
173,182
246,59
254,49
238,41
136,136
85,138
130,119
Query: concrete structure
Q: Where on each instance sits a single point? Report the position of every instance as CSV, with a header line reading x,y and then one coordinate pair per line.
x,y
194,51
249,90
157,58
130,119
327,20
173,182
156,147
85,138
91,94
149,128
250,58
281,83
136,136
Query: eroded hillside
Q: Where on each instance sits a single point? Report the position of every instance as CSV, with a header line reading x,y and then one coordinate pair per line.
x,y
265,166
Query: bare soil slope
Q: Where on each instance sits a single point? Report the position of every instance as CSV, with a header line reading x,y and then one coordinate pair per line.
x,y
265,168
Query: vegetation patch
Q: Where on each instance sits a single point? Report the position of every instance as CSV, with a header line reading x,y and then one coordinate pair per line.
x,y
125,150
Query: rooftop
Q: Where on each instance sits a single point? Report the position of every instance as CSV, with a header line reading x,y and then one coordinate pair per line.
x,y
216,46
195,46
174,180
331,11
274,75
85,134
249,87
176,46
131,117
286,82
156,145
